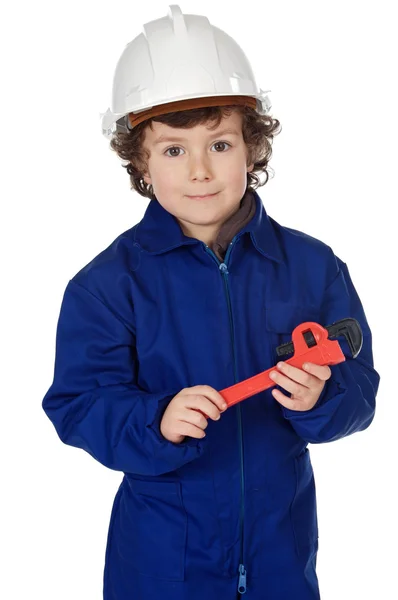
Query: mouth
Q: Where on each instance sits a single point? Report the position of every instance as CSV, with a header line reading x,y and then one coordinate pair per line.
x,y
203,197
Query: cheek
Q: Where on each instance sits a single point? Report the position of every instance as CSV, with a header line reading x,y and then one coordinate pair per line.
x,y
237,172
166,184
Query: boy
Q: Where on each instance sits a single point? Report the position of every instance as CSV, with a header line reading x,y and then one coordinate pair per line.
x,y
192,299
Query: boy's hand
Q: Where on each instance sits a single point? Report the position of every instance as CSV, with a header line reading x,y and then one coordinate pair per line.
x,y
305,384
182,417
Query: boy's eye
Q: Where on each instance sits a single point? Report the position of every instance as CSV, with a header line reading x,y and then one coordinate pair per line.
x,y
178,148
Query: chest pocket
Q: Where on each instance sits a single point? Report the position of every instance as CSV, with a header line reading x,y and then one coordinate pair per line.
x,y
282,317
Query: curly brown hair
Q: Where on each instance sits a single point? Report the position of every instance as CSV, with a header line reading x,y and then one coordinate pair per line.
x,y
258,133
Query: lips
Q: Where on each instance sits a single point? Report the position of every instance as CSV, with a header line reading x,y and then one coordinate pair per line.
x,y
203,196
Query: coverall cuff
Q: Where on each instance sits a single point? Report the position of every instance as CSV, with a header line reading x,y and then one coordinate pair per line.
x,y
156,413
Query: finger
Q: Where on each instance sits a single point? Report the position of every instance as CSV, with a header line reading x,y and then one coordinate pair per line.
x,y
294,373
215,397
297,389
286,401
321,371
212,394
201,403
190,430
194,417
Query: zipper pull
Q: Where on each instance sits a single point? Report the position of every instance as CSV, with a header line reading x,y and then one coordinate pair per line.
x,y
223,268
242,580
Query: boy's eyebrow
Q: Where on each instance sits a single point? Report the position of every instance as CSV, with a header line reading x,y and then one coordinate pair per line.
x,y
164,138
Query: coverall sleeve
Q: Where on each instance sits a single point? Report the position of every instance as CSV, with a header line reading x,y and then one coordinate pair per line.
x,y
94,402
347,402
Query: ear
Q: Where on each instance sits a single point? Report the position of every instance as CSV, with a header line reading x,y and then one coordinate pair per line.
x,y
250,168
147,179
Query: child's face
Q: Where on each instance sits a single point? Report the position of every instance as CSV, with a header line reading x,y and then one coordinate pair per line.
x,y
198,164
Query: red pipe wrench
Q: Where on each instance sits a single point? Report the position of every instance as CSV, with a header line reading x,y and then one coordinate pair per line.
x,y
310,343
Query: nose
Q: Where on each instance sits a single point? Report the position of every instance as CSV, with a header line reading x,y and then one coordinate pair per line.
x,y
200,167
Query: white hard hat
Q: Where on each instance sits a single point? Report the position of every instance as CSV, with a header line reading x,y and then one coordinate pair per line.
x,y
179,57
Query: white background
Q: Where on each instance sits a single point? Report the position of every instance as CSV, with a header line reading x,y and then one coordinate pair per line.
x,y
331,70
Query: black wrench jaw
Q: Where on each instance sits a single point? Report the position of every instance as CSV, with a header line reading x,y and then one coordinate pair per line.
x,y
352,331
349,328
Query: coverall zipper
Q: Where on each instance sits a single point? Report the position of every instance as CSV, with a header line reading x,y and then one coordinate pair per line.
x,y
223,267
